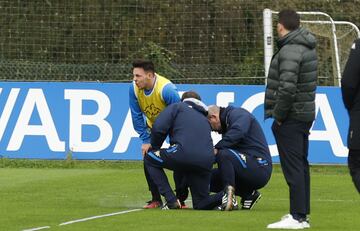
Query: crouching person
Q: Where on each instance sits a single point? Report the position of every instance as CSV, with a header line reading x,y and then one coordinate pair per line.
x,y
190,152
242,155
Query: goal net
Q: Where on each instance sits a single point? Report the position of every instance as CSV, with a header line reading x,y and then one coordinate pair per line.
x,y
88,40
334,40
190,41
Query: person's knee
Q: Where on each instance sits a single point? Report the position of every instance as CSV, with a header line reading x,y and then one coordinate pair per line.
x,y
148,161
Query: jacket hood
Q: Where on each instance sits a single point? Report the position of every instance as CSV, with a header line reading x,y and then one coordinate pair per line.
x,y
197,105
299,36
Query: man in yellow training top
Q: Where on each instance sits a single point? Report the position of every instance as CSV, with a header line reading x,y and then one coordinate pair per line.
x,y
149,94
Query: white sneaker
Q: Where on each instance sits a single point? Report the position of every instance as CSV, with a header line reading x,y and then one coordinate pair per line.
x,y
288,222
306,224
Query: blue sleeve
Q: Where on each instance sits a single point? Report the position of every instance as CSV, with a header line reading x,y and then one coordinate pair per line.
x,y
239,125
138,117
170,94
163,124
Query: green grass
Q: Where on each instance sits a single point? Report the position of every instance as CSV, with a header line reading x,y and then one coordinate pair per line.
x,y
47,194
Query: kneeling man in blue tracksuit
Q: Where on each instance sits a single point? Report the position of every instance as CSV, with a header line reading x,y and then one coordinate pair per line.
x,y
190,153
242,155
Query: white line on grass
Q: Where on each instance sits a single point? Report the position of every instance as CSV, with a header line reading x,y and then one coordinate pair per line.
x,y
99,216
38,228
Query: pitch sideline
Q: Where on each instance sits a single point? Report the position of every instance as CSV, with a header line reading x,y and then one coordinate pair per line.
x,y
99,216
37,228
85,219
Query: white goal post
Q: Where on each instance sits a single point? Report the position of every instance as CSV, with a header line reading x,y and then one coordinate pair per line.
x,y
268,36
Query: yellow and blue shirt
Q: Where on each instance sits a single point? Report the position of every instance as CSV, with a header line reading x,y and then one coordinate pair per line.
x,y
150,103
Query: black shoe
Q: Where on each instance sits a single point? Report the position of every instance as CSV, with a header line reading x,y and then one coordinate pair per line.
x,y
229,199
174,205
250,201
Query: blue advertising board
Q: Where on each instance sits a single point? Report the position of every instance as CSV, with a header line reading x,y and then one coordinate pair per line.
x,y
50,120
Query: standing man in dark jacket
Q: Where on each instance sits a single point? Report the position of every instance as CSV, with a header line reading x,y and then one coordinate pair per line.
x,y
350,88
191,153
242,155
290,100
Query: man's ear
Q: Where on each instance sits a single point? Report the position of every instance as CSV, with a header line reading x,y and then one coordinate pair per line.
x,y
216,117
282,31
149,75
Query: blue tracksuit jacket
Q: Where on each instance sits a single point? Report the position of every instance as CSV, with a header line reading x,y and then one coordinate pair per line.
x,y
187,126
242,132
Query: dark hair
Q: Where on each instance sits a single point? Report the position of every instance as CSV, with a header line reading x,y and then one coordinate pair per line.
x,y
147,65
289,19
190,94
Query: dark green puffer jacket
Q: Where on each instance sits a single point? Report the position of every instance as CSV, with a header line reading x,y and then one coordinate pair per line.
x,y
291,82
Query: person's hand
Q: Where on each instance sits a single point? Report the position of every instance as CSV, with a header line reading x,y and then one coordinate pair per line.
x,y
278,122
216,151
145,148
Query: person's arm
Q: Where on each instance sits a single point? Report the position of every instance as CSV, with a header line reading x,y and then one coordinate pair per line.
x,y
289,66
162,126
351,77
138,117
170,94
239,125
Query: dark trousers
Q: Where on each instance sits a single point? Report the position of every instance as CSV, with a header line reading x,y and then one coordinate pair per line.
x,y
354,167
244,172
197,178
292,139
180,184
152,186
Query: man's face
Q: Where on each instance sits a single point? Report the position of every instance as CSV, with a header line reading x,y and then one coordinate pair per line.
x,y
215,122
143,79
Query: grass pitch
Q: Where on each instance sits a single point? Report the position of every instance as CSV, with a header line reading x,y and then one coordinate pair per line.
x,y
44,194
